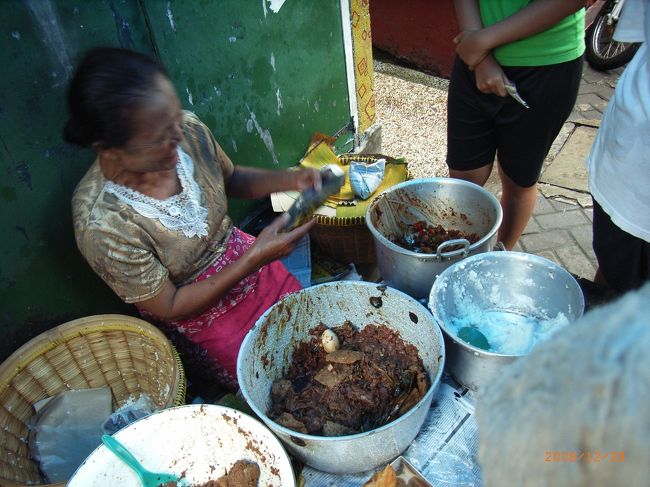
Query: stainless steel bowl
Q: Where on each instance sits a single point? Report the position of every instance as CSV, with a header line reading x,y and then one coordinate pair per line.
x,y
452,203
202,441
267,350
512,284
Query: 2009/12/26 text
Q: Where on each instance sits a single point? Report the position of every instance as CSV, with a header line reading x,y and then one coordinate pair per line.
x,y
588,456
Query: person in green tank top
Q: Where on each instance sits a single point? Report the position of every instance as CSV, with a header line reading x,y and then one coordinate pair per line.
x,y
535,46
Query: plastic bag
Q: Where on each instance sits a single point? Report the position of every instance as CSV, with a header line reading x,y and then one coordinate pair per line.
x,y
129,412
66,429
366,178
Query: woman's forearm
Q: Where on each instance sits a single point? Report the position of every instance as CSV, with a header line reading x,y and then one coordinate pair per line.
x,y
537,17
273,243
468,15
176,303
252,183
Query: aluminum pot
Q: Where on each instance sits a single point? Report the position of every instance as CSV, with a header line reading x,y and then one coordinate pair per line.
x,y
509,285
452,203
267,350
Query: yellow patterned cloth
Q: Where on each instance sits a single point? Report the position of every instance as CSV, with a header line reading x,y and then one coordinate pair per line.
x,y
321,153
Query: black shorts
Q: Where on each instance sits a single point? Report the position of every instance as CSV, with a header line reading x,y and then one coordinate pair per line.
x,y
624,259
481,125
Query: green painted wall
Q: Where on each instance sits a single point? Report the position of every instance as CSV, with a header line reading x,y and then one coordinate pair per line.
x,y
262,80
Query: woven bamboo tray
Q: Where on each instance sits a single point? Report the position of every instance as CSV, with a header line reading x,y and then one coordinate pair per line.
x,y
124,353
347,240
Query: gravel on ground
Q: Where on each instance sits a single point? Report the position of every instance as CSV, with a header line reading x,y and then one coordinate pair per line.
x,y
413,117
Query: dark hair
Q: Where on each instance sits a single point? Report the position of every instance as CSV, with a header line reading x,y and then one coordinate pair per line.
x,y
107,86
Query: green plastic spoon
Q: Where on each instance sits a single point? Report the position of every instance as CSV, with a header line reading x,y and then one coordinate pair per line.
x,y
474,337
148,478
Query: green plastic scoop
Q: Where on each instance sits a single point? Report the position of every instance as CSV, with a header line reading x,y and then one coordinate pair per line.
x,y
148,478
474,337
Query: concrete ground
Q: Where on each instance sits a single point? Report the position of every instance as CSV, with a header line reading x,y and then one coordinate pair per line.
x,y
411,107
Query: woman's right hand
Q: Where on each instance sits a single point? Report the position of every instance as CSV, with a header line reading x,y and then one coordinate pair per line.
x,y
273,244
471,48
490,78
174,303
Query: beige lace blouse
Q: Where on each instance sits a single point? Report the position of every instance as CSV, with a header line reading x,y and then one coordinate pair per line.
x,y
135,254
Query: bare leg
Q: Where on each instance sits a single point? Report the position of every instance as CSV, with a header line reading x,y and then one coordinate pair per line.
x,y
518,204
478,176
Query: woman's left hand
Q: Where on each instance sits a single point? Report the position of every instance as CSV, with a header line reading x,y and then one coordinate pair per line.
x,y
471,48
490,78
308,178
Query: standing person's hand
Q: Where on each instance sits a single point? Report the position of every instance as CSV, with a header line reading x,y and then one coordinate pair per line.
x,y
273,244
308,178
490,78
471,48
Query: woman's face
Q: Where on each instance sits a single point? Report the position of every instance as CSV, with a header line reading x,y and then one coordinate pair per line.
x,y
158,127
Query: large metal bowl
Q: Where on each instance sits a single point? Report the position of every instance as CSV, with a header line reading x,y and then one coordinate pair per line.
x,y
199,441
513,285
268,347
452,203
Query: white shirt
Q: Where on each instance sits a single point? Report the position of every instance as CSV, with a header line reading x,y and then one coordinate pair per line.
x,y
619,162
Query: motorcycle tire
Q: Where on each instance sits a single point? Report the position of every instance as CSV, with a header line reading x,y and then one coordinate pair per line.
x,y
600,34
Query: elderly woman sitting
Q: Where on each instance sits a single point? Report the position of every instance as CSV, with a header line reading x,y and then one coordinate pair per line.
x,y
150,215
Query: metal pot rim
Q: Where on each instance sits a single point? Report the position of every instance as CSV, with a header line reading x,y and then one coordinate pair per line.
x,y
452,255
304,436
487,256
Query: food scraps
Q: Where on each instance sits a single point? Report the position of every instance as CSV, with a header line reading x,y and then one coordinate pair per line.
x,y
424,238
373,378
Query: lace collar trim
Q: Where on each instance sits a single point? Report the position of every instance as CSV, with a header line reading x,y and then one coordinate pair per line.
x,y
180,212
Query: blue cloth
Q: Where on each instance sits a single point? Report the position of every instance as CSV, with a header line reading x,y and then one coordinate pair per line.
x,y
298,262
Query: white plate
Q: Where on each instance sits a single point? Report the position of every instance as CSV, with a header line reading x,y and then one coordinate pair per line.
x,y
202,440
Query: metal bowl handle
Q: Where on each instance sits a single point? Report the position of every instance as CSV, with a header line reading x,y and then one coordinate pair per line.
x,y
458,241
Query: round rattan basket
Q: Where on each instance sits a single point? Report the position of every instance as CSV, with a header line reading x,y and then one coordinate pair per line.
x,y
347,240
124,353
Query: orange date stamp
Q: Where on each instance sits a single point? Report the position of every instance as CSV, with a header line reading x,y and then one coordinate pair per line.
x,y
589,456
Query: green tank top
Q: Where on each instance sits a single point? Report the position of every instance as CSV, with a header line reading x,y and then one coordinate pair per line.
x,y
562,42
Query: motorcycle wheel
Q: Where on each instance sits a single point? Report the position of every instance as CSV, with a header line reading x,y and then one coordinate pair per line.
x,y
602,51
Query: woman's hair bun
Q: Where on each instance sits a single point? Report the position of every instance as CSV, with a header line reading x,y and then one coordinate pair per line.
x,y
107,87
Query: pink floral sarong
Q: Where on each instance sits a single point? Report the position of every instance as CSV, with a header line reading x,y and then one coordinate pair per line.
x,y
220,329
